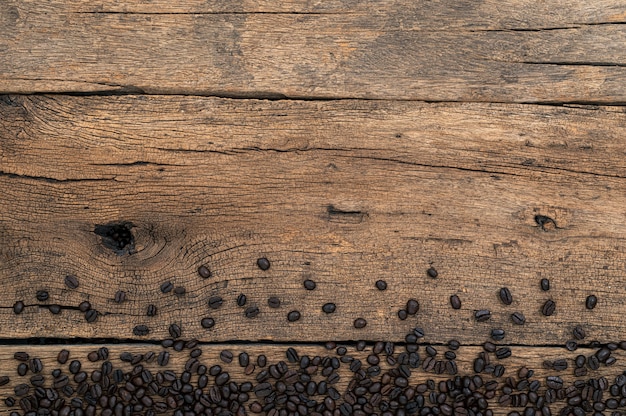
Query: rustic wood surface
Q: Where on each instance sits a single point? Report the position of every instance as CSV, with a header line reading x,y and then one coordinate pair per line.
x,y
514,51
343,193
531,358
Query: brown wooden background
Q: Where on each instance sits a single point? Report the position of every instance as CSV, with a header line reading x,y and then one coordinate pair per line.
x,y
345,141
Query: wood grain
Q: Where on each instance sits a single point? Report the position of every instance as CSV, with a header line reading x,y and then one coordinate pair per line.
x,y
343,193
515,51
531,358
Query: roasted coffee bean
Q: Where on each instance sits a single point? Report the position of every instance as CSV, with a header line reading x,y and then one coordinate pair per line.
x,y
91,315
22,369
263,263
75,366
166,287
518,318
360,323
309,284
489,347
455,301
273,302
554,382
381,285
603,354
18,307
84,306
21,356
548,308
292,355
120,296
591,302
403,314
174,331
482,315
431,272
579,332
571,345
42,295
251,311
207,323
412,306
419,332
179,290
204,272
504,352
93,356
505,296
141,330
54,309
244,359
560,364
21,390
163,358
215,302
151,311
454,345
293,316
241,300
63,356
226,356
497,334
545,285
329,307
71,282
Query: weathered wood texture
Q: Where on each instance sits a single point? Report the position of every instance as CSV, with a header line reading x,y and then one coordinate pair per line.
x,y
531,358
342,192
513,51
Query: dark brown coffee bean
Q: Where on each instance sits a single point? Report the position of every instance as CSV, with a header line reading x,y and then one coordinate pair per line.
x,y
63,356
518,318
381,285
412,306
93,356
75,366
548,308
215,302
22,369
151,310
91,315
545,285
309,284
497,334
505,296
3,381
179,290
54,309
293,316
591,302
21,390
141,330
71,282
482,315
174,331
226,356
273,302
120,296
244,359
84,306
207,323
403,314
454,345
360,323
18,307
166,287
204,272
42,295
329,307
431,272
455,301
163,358
241,300
251,312
504,352
579,332
21,356
571,345
263,263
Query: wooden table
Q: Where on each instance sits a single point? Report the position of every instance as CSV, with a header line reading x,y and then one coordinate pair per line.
x,y
346,142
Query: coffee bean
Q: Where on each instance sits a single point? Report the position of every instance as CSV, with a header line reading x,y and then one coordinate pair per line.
x,y
22,369
431,272
545,285
329,307
21,356
251,311
42,295
292,355
412,306
163,358
261,361
71,281
505,296
3,381
91,315
63,356
204,272
179,290
241,300
273,302
497,334
166,287
455,301
571,345
244,359
226,356
504,352
18,307
403,314
263,263
560,364
309,284
293,316
84,306
215,302
120,296
360,323
75,366
174,331
591,302
579,332
141,330
548,308
21,390
482,315
419,332
454,345
207,323
54,309
381,285
151,310
518,318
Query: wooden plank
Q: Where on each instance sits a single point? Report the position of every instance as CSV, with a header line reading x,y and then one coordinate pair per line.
x,y
344,193
471,51
531,358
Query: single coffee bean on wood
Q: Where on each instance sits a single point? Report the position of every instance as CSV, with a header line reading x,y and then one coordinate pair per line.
x,y
548,308
55,309
180,290
151,310
207,323
482,315
241,300
18,307
91,315
84,306
120,296
360,323
455,301
251,311
309,284
273,302
518,318
329,307
215,302
141,330
431,272
166,287
71,282
412,306
545,284
505,296
579,332
381,285
591,302
42,295
175,331
204,272
293,316
263,263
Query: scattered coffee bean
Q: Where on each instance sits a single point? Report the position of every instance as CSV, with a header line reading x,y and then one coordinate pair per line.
x,y
18,307
591,302
293,316
120,296
309,284
482,315
166,287
241,300
55,309
4,380
518,318
63,356
548,308
273,302
71,282
84,306
42,295
360,323
91,315
403,314
215,302
263,263
455,301
571,345
174,331
251,312
207,323
431,272
497,334
579,332
21,356
505,296
381,285
179,290
151,310
329,307
412,306
545,285
204,272
141,330
226,356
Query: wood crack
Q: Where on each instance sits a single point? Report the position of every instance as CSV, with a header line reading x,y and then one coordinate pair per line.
x,y
54,180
